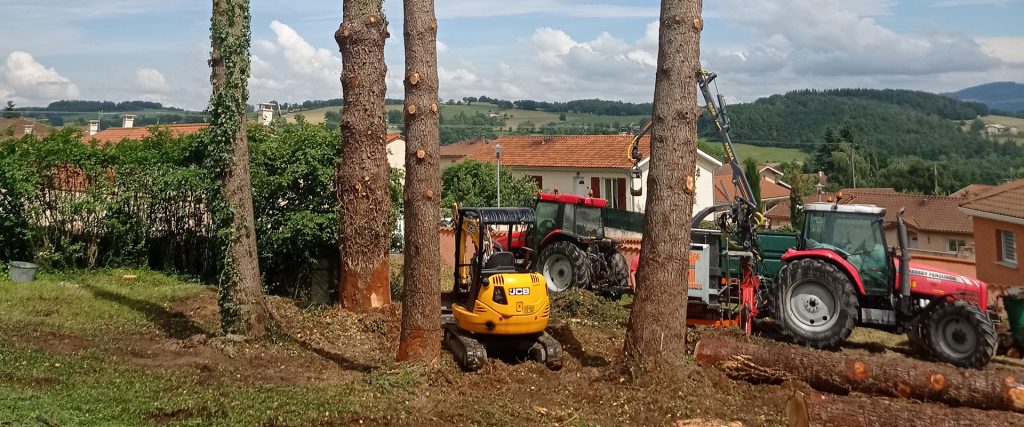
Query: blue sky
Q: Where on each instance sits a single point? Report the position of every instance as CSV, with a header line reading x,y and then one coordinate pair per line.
x,y
537,49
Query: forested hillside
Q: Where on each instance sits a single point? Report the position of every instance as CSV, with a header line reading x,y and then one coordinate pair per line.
x,y
1007,97
894,138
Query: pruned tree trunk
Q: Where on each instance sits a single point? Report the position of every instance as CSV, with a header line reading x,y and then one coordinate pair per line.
x,y
876,375
243,307
364,227
857,411
420,339
656,335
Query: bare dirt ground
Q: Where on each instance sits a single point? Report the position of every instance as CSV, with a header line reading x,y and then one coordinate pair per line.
x,y
333,347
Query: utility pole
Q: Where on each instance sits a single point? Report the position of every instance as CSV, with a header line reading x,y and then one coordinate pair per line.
x,y
497,156
935,174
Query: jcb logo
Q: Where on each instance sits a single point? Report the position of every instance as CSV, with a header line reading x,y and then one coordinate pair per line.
x,y
519,291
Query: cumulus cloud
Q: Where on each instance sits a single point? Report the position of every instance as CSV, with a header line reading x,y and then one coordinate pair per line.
x,y
25,78
151,82
305,59
840,39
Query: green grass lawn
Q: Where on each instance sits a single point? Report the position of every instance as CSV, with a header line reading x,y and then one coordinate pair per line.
x,y
42,383
768,154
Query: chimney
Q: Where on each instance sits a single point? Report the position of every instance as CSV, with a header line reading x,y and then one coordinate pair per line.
x,y
128,120
266,114
29,129
94,127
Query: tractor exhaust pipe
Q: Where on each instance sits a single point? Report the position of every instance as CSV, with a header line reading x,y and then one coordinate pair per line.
x,y
901,230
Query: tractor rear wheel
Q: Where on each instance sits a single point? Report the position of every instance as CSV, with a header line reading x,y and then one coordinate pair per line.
x,y
959,333
619,270
817,304
564,265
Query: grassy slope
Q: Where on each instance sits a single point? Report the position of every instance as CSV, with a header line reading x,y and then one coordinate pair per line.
x,y
768,154
539,118
85,387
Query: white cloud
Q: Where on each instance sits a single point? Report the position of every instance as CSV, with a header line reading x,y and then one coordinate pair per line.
x,y
483,8
838,39
28,80
955,3
1008,49
150,81
441,47
305,59
265,46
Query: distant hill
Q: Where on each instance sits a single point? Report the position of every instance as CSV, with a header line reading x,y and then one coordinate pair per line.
x,y
1004,96
79,112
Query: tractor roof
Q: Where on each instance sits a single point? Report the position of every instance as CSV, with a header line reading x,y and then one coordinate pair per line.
x,y
500,215
831,207
573,199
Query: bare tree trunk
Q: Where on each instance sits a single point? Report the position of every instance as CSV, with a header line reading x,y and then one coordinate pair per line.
x,y
656,335
877,375
857,411
364,227
420,339
242,304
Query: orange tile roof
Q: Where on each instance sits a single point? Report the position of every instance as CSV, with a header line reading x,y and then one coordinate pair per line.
x,y
769,189
392,137
575,151
924,213
115,135
16,127
972,190
1006,199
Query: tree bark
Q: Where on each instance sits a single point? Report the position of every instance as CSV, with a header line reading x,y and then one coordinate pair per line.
x,y
859,411
364,228
242,304
876,375
420,339
656,335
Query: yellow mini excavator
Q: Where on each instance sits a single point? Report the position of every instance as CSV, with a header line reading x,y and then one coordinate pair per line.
x,y
498,303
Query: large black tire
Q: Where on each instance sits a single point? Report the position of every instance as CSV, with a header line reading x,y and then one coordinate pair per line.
x,y
816,304
564,266
916,333
960,334
618,274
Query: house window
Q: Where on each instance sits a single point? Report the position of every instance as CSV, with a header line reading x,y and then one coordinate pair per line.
x,y
610,191
1007,247
955,245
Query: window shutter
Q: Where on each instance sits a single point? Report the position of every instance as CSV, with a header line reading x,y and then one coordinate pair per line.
x,y
620,193
595,186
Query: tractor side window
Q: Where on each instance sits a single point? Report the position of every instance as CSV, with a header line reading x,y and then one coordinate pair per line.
x,y
545,214
588,221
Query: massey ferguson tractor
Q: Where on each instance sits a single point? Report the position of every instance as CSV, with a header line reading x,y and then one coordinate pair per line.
x,y
572,249
842,275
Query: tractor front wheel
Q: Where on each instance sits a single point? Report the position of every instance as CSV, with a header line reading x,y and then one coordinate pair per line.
x,y
619,270
959,333
817,304
564,265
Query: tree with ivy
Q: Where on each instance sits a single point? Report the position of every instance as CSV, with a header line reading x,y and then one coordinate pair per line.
x,y
361,183
420,339
243,307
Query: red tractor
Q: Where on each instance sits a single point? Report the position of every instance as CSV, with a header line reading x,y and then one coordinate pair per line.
x,y
841,275
572,248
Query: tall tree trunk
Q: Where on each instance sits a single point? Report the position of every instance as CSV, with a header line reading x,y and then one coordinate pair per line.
x,y
243,307
656,335
420,339
364,226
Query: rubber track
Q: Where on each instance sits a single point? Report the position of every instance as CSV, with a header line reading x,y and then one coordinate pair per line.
x,y
470,354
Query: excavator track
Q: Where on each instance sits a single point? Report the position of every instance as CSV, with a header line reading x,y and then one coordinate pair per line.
x,y
469,353
552,351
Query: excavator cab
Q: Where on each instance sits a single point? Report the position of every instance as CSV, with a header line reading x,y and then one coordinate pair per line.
x,y
498,302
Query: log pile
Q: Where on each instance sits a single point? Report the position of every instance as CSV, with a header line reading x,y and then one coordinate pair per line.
x,y
839,374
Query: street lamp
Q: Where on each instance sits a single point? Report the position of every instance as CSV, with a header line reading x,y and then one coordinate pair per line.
x,y
821,189
497,156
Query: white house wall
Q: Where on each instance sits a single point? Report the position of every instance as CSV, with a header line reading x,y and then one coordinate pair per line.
x,y
396,154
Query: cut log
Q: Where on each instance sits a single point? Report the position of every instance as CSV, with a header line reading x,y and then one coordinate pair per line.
x,y
766,362
859,411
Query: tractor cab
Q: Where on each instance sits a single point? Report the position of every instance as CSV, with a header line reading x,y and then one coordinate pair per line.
x,y
566,215
855,233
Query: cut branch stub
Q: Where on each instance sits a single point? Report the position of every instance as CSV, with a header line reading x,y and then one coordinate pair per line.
x,y
698,24
414,78
433,107
411,108
420,154
429,194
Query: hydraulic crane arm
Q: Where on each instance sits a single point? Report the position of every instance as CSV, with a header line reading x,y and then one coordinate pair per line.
x,y
716,107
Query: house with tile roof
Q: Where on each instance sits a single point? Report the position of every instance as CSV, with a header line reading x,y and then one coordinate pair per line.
x,y
935,224
998,225
579,164
19,127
